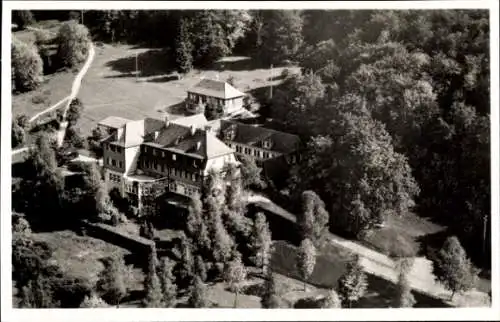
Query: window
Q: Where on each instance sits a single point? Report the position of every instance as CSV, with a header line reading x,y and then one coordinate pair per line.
x,y
108,161
120,164
112,148
154,152
113,163
163,154
162,168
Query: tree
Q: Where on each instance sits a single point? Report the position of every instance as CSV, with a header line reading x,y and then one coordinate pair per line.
x,y
352,284
453,268
404,296
281,35
37,294
152,284
74,111
235,275
270,298
332,301
27,66
18,135
213,111
22,18
198,295
73,43
306,259
184,50
251,174
200,268
261,243
112,280
362,184
93,301
234,218
296,103
196,227
169,289
313,219
186,271
94,141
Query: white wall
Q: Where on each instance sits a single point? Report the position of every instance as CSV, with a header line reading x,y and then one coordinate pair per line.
x,y
219,162
131,157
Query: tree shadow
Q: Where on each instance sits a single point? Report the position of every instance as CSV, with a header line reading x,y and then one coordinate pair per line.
x,y
431,243
177,109
164,79
236,64
150,63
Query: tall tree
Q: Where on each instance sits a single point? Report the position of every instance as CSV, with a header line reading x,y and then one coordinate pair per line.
x,y
198,295
27,66
453,268
235,275
313,219
112,280
169,289
281,35
37,294
404,296
306,259
184,49
261,243
352,284
251,174
74,111
200,268
186,269
73,43
152,284
270,298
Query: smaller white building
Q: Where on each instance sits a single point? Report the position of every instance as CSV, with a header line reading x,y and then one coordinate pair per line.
x,y
216,93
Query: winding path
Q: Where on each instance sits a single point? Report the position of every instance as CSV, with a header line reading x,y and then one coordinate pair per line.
x,y
68,99
74,92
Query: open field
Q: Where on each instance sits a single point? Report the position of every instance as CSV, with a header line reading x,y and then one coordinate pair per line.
x,y
80,256
110,87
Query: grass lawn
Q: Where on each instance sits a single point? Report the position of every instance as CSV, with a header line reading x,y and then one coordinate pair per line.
x,y
80,256
110,86
54,88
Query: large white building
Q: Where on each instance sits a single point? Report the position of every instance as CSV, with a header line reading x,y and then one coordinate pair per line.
x,y
178,154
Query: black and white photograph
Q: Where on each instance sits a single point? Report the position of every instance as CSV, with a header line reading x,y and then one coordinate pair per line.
x,y
262,156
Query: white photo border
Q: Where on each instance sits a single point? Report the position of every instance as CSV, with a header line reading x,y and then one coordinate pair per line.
x,y
11,314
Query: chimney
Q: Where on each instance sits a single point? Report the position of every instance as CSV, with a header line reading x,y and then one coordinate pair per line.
x,y
193,129
198,145
167,120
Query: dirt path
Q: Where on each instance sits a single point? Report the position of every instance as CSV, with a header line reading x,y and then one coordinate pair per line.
x,y
421,277
74,92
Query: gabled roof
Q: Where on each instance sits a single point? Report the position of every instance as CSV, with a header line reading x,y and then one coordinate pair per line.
x,y
198,120
190,141
215,88
115,122
255,136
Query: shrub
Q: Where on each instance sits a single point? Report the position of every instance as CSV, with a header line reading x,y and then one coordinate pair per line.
x,y
27,66
73,43
22,18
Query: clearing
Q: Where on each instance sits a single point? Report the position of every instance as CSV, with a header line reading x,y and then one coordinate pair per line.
x,y
111,86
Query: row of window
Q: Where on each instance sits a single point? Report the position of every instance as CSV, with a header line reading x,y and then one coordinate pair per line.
x,y
114,148
114,163
204,99
253,152
156,152
171,171
114,178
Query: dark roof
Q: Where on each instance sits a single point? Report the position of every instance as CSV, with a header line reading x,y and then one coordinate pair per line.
x,y
190,141
255,136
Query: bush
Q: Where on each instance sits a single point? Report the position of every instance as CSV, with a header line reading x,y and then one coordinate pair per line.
x,y
18,135
73,43
27,67
74,111
22,18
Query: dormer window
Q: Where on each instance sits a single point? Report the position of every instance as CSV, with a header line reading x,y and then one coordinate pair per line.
x,y
230,133
267,144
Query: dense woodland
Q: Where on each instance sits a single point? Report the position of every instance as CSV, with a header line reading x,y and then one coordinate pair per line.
x,y
393,107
